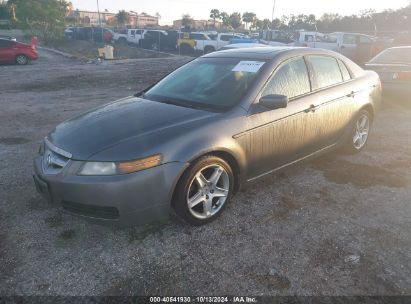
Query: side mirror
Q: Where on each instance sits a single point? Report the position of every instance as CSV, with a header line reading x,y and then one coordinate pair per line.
x,y
274,101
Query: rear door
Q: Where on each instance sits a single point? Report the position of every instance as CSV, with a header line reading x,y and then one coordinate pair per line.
x,y
279,137
334,96
7,50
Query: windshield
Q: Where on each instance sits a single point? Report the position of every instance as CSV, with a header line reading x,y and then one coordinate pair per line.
x,y
216,83
401,55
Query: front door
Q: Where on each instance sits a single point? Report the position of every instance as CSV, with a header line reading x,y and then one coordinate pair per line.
x,y
279,137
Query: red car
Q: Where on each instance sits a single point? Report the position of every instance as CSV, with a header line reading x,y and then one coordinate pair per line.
x,y
20,53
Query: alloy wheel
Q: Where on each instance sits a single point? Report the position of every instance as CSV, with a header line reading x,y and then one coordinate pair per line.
x,y
361,132
21,59
208,191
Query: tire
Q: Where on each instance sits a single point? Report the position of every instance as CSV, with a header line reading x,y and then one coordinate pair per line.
x,y
359,133
207,185
22,59
208,49
122,41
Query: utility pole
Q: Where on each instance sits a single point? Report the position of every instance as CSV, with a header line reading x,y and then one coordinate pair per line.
x,y
99,22
272,15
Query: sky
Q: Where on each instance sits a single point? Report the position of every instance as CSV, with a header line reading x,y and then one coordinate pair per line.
x,y
200,9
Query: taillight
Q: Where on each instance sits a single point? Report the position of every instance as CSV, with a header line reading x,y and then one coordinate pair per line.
x,y
402,76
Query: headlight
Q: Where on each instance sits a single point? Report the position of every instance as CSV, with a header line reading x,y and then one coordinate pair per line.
x,y
117,168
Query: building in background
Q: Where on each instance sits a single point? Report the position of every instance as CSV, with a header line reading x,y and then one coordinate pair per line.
x,y
92,18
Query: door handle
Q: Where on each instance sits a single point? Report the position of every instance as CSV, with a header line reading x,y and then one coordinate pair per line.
x,y
312,108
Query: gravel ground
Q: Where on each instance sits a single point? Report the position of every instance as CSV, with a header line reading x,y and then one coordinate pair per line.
x,y
337,226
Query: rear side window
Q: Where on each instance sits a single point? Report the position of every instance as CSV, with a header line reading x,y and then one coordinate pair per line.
x,y
344,71
290,80
326,71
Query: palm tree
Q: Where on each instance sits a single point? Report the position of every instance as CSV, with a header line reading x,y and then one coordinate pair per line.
x,y
235,20
215,14
187,21
123,18
249,18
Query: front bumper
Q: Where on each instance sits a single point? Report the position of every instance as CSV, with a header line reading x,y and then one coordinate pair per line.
x,y
132,199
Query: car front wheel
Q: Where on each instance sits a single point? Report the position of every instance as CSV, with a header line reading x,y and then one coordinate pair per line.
x,y
22,59
204,190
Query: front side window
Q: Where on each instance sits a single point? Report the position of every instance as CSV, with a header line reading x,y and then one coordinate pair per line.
x,y
326,71
205,83
290,80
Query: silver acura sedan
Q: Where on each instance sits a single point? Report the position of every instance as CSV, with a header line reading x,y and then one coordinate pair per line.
x,y
190,141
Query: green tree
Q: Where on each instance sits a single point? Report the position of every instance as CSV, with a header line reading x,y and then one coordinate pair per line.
x,y
225,18
43,18
266,24
235,20
215,15
249,18
123,18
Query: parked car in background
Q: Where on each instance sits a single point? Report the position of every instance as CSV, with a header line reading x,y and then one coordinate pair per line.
x,y
242,46
192,139
208,44
186,44
402,39
120,35
357,47
17,52
96,34
277,38
129,36
8,37
158,40
394,67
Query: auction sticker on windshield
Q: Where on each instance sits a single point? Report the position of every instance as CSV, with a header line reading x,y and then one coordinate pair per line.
x,y
248,66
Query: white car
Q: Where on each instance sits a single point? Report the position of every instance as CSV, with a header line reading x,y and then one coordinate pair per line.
x,y
206,44
129,36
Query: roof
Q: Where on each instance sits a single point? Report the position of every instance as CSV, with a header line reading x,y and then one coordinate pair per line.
x,y
264,53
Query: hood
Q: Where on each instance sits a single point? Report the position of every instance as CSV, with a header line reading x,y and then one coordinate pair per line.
x,y
107,126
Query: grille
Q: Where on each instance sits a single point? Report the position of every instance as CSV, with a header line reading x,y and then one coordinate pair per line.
x,y
54,158
109,213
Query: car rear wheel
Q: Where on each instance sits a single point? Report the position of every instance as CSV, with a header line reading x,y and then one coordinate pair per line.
x,y
22,59
204,190
360,132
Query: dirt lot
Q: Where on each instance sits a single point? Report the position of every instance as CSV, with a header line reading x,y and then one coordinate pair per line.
x,y
338,226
